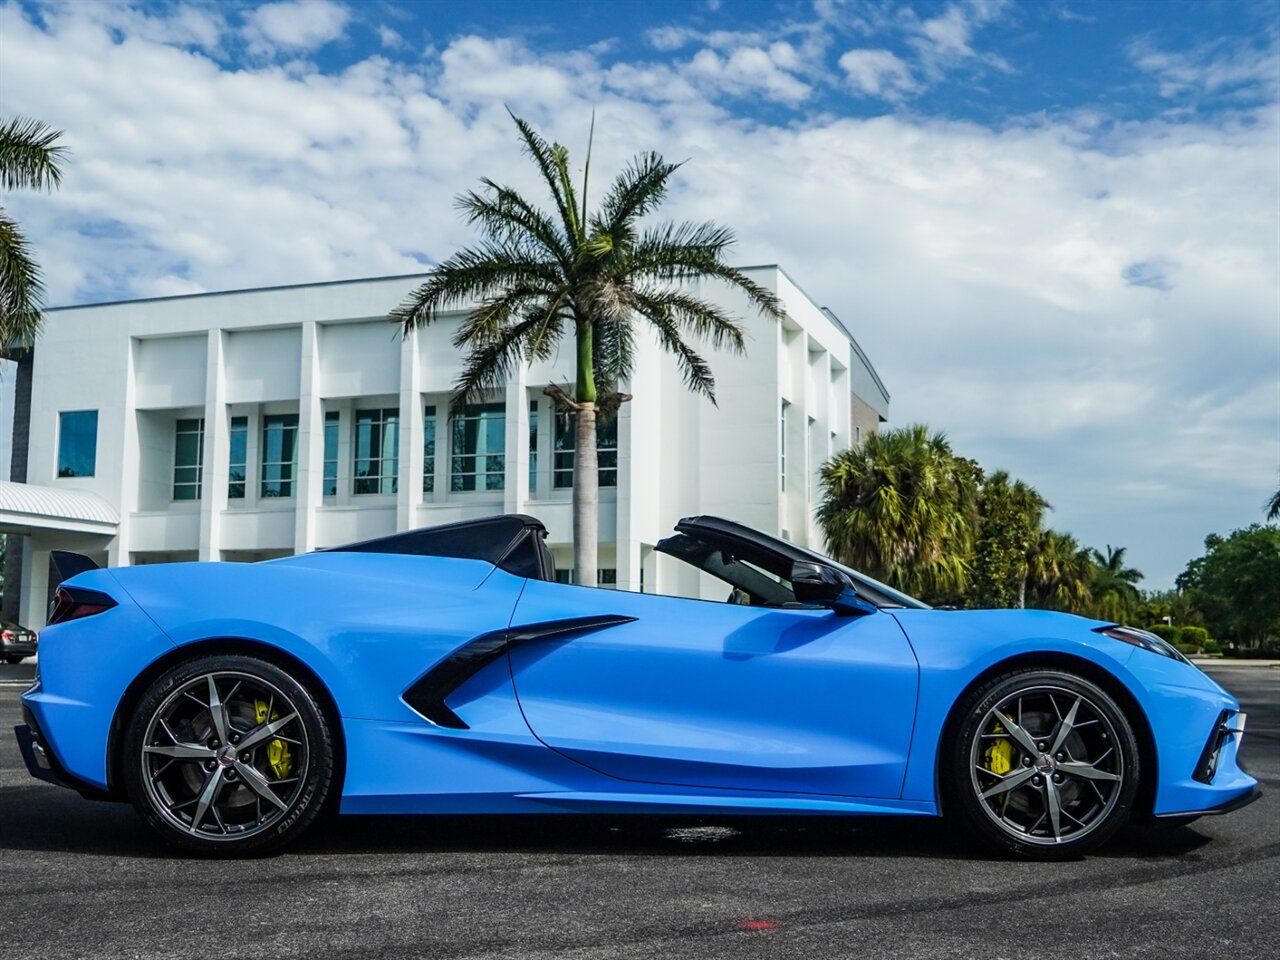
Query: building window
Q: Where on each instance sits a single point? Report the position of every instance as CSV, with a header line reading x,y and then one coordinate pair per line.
x,y
478,434
533,447
429,449
239,458
332,421
810,468
605,577
857,434
188,457
279,454
606,451
377,452
77,443
782,444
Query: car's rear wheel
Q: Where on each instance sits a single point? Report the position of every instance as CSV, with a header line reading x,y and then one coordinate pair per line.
x,y
12,658
228,755
1044,764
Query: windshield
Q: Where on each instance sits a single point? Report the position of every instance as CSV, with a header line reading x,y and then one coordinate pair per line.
x,y
881,594
759,565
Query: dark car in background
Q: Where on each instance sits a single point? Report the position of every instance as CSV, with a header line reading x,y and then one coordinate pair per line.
x,y
16,642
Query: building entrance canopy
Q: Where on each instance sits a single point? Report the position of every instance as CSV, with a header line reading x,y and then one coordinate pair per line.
x,y
27,508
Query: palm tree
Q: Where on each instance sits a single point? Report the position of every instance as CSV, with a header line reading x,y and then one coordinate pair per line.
x,y
1114,590
1010,514
1060,573
901,508
539,275
1273,507
30,159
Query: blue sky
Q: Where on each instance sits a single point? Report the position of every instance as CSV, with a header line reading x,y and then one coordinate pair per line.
x,y
1054,226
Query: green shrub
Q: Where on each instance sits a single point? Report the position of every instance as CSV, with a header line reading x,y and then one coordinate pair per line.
x,y
1166,632
1197,635
1187,648
1212,646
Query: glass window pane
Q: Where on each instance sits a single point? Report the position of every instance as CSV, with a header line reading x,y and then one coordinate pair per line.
x,y
429,449
279,454
77,443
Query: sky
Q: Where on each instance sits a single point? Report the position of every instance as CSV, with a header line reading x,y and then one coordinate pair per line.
x,y
1054,226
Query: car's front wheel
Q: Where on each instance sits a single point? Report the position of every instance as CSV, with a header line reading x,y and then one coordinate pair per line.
x,y
228,755
1044,764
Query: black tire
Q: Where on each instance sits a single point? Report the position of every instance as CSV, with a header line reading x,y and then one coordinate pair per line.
x,y
250,795
9,658
1010,786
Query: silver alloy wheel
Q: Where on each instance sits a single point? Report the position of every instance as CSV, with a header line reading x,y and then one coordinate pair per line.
x,y
1065,771
225,756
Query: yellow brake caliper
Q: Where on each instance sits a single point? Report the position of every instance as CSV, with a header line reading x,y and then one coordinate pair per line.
x,y
998,758
278,755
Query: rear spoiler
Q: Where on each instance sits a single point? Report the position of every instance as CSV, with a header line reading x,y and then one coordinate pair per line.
x,y
69,564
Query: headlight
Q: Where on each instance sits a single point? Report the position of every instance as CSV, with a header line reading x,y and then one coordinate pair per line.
x,y
1143,639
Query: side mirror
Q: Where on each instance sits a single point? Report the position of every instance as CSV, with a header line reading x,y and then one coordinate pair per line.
x,y
828,587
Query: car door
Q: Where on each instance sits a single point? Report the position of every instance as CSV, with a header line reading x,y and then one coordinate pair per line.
x,y
716,695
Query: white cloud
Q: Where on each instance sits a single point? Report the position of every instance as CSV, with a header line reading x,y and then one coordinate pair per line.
x,y
1212,68
990,273
946,40
389,38
749,70
295,25
877,73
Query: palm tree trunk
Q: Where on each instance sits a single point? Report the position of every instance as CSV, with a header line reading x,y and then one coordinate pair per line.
x,y
586,497
586,481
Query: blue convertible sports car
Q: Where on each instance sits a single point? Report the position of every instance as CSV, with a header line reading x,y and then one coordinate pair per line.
x,y
446,671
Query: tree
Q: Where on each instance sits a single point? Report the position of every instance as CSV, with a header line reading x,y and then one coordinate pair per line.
x,y
1236,585
1115,594
1010,514
901,507
539,276
30,159
1273,507
1060,574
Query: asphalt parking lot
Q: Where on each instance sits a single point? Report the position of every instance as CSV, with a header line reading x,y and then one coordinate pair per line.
x,y
82,879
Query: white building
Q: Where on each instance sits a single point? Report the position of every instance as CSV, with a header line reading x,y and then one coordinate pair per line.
x,y
259,423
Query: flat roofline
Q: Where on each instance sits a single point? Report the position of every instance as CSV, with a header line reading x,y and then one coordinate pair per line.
x,y
227,293
299,286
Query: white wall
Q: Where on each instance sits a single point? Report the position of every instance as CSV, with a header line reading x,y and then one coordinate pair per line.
x,y
328,347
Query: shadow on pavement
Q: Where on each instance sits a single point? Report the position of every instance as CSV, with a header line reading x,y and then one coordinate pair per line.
x,y
41,818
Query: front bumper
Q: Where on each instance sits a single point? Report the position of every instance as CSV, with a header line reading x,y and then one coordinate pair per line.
x,y
1227,806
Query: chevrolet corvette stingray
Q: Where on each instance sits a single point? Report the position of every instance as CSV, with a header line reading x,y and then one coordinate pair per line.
x,y
445,670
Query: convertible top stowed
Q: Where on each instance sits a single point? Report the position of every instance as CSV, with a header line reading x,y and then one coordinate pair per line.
x,y
514,542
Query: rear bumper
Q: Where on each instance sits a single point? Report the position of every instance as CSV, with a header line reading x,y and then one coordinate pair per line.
x,y
18,648
43,764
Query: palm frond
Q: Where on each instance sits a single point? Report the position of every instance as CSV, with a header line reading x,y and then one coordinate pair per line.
x,y
635,192
21,287
30,155
674,253
471,274
488,321
551,160
698,316
1273,507
510,219
694,370
489,364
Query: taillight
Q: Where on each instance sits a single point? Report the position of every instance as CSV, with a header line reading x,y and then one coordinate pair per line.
x,y
73,603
